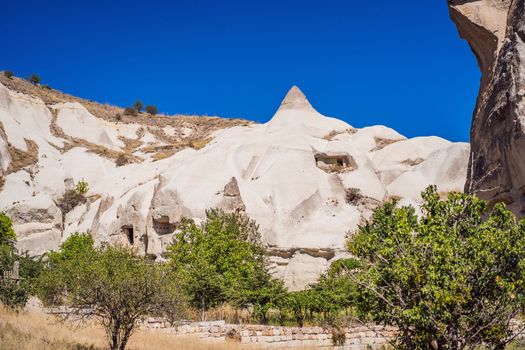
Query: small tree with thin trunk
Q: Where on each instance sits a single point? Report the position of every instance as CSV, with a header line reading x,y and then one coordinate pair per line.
x,y
151,109
138,105
34,79
111,285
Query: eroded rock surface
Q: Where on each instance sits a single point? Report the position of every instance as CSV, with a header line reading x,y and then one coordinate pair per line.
x,y
305,178
495,30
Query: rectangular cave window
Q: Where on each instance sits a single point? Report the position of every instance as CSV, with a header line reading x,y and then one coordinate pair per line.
x,y
163,226
334,162
128,232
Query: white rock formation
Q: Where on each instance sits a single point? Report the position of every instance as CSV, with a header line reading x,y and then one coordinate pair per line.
x,y
293,175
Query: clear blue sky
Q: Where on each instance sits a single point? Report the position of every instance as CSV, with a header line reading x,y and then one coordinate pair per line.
x,y
397,63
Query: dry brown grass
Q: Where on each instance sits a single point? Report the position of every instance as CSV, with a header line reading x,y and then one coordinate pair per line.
x,y
110,112
199,143
164,154
29,330
382,143
71,142
413,162
202,126
20,159
334,133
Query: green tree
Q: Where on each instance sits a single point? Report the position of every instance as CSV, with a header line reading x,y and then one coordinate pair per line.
x,y
138,106
14,293
151,109
7,234
109,284
334,290
223,260
34,79
298,304
74,246
452,279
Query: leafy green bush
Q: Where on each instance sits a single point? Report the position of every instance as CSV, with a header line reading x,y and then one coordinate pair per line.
x,y
8,74
7,234
82,187
75,245
15,292
223,260
151,109
452,279
34,79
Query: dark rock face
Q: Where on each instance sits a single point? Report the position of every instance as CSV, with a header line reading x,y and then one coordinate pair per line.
x,y
495,30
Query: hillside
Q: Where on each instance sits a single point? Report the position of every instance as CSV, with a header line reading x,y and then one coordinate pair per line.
x,y
307,179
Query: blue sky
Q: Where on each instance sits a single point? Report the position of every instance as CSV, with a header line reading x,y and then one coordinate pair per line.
x,y
399,64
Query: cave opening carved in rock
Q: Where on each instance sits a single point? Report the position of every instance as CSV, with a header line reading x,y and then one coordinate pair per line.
x,y
335,162
127,231
163,226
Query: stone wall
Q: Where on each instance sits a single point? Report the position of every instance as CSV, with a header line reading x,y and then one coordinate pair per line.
x,y
357,337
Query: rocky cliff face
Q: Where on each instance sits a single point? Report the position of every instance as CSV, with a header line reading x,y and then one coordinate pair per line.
x,y
306,179
495,30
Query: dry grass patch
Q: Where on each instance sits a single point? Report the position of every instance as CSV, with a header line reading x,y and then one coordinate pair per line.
x,y
50,96
382,143
119,157
334,133
200,143
202,126
164,154
20,159
28,330
413,162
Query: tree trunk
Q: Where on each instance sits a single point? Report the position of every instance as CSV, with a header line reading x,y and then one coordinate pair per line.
x,y
125,338
114,339
114,334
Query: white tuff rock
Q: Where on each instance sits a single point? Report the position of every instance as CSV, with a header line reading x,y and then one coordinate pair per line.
x,y
305,178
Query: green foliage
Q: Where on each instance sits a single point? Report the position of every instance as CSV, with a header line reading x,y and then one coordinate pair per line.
x,y
138,106
335,291
452,279
223,260
8,74
151,109
34,79
111,285
7,234
74,246
82,187
298,304
15,293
